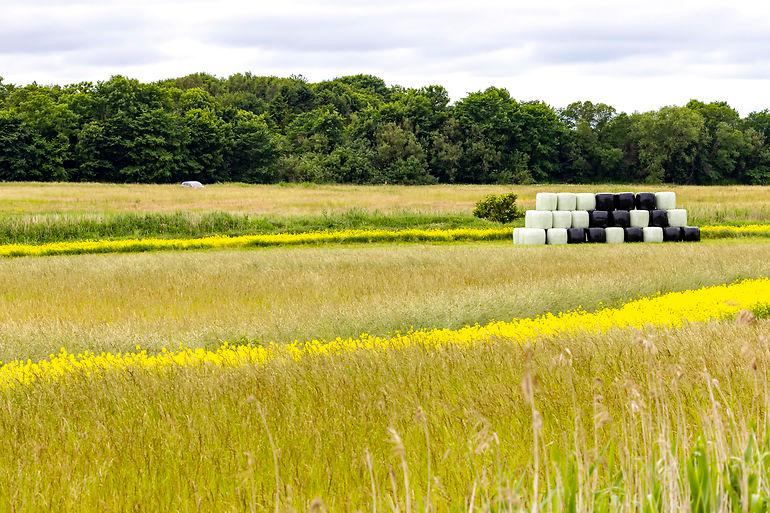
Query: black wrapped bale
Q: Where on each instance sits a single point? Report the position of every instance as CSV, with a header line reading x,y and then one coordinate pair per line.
x,y
624,201
659,218
645,201
620,218
597,235
576,235
598,218
691,234
605,201
672,234
633,234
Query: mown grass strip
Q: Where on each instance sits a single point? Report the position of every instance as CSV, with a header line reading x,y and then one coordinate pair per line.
x,y
668,310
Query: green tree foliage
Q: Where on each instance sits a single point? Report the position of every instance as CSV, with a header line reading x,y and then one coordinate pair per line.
x,y
253,149
357,129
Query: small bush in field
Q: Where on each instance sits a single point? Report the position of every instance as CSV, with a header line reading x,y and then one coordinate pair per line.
x,y
500,208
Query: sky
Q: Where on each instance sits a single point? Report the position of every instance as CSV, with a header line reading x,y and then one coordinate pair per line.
x,y
634,55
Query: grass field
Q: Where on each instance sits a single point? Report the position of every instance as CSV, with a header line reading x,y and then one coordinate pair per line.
x,y
621,419
36,213
707,204
200,298
643,420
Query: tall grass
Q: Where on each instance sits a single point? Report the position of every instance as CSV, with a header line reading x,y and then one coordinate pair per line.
x,y
672,420
114,302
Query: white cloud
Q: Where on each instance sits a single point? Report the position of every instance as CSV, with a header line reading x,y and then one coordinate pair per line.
x,y
636,55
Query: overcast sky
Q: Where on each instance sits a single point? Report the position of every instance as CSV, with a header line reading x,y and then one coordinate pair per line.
x,y
636,55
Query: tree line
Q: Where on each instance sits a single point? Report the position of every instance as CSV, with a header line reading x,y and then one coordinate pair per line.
x,y
356,129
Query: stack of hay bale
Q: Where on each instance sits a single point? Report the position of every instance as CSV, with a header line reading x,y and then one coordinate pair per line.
x,y
570,218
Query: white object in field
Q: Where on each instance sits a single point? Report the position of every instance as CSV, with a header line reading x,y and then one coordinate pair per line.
x,y
562,219
193,184
545,201
530,236
566,201
677,217
516,235
580,219
639,218
652,234
556,236
585,201
665,200
538,219
614,235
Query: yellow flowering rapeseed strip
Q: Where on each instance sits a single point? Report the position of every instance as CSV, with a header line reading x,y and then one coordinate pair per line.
x,y
668,310
726,232
293,239
243,241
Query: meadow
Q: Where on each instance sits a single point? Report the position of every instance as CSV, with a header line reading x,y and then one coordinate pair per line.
x,y
38,213
641,417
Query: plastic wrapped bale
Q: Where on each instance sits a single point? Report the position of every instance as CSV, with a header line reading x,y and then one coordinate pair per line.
x,y
538,219
691,234
620,218
562,219
615,235
545,201
556,236
677,217
576,235
633,234
672,234
596,235
566,201
599,219
517,235
585,201
645,201
659,218
665,200
580,219
531,236
624,201
652,234
639,218
605,201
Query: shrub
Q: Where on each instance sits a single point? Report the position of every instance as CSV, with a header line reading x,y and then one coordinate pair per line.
x,y
500,208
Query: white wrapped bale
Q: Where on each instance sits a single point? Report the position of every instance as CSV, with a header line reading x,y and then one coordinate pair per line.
x,y
580,219
585,201
531,236
665,200
566,201
677,217
614,235
562,219
639,218
516,235
538,219
556,236
652,234
545,201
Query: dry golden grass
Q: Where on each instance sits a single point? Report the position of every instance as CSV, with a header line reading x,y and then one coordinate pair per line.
x,y
200,298
617,420
711,205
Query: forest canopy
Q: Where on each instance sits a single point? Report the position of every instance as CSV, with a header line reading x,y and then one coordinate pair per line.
x,y
357,129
